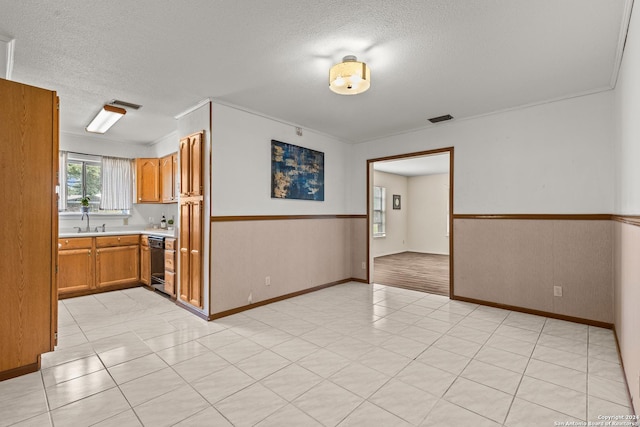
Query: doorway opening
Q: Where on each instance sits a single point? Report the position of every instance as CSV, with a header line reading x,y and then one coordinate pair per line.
x,y
410,217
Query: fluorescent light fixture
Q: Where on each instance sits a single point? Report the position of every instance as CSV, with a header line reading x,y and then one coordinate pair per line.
x,y
106,118
349,77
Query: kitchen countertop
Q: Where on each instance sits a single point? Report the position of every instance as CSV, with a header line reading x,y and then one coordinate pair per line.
x,y
120,232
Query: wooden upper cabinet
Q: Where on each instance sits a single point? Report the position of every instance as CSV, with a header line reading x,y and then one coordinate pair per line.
x,y
191,170
148,179
168,166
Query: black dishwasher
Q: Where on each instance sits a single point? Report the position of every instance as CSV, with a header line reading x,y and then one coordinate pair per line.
x,y
156,250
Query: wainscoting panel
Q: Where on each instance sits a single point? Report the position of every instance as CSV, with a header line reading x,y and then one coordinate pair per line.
x,y
296,254
518,262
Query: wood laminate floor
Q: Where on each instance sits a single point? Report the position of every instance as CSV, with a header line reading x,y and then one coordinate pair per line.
x,y
413,270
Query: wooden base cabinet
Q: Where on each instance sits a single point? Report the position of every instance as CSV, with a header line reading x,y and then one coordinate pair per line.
x,y
29,226
88,265
75,264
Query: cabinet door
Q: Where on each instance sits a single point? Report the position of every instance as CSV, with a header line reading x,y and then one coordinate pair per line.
x,y
148,180
145,265
195,150
117,265
191,170
185,226
184,167
191,253
195,255
75,270
167,181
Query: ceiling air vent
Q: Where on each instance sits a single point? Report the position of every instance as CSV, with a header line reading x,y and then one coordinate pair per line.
x,y
441,118
125,104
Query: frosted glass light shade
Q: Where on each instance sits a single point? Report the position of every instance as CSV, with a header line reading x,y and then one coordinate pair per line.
x,y
106,118
349,77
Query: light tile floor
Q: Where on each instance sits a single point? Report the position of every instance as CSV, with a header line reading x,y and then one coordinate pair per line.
x,y
350,355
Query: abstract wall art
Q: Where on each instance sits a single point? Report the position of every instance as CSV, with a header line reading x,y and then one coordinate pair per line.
x,y
296,172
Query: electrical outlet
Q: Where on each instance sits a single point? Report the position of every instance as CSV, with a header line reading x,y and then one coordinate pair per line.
x,y
267,280
364,265
557,291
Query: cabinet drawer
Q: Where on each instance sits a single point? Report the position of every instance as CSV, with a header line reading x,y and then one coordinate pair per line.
x,y
144,240
170,282
170,244
169,260
105,241
75,243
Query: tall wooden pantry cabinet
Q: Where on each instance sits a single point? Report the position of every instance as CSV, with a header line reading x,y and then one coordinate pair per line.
x,y
29,226
191,219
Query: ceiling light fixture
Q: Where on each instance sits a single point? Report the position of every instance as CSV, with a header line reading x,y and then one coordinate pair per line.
x,y
106,118
349,77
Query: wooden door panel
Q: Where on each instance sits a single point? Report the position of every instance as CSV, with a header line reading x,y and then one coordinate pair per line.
x,y
184,267
75,270
117,265
195,150
28,166
195,292
184,167
148,179
145,265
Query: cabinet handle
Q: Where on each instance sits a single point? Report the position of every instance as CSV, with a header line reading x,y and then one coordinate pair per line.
x,y
183,250
194,251
66,242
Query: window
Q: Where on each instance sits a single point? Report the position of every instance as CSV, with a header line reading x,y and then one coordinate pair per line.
x,y
80,177
379,202
84,179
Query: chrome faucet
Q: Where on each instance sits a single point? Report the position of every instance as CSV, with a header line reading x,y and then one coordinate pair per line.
x,y
103,229
87,215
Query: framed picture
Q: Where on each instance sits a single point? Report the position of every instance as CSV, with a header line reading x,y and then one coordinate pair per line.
x,y
296,172
396,201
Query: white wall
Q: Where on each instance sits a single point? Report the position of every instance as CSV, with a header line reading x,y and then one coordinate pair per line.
x,y
395,240
168,144
428,202
551,158
241,166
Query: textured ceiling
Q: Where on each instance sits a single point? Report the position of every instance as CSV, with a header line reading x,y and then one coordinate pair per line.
x,y
427,58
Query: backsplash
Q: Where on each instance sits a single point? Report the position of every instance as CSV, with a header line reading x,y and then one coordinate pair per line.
x,y
139,218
